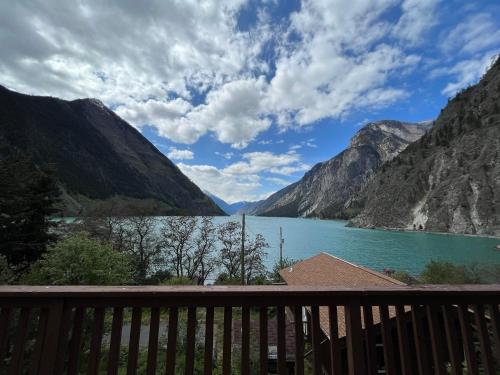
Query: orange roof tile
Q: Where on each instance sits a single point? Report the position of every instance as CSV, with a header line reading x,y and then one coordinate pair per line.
x,y
324,270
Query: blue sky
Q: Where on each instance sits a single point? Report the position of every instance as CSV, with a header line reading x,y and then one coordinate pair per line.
x,y
245,96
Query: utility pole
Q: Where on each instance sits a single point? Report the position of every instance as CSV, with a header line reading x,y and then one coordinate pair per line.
x,y
281,248
242,260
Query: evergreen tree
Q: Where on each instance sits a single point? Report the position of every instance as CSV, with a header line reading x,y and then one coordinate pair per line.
x,y
27,197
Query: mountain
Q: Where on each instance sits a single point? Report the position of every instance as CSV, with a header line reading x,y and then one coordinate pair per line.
x,y
326,189
230,208
449,181
98,158
248,207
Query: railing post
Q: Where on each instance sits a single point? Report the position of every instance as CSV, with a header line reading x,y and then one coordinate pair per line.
x,y
263,349
390,365
403,342
50,345
299,340
355,355
226,341
245,340
335,352
421,351
467,340
371,359
280,311
4,324
436,340
316,339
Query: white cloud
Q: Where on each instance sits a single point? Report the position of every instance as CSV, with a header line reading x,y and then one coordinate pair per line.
x,y
307,143
340,63
147,49
137,61
186,69
153,111
464,73
417,18
232,112
227,186
310,143
278,181
257,162
243,180
476,33
177,154
225,155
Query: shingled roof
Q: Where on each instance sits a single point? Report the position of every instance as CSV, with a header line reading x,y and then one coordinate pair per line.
x,y
327,270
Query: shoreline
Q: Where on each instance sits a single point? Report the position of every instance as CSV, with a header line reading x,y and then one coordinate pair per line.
x,y
430,232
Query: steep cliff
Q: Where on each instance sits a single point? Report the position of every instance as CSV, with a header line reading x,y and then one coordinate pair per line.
x,y
449,181
325,191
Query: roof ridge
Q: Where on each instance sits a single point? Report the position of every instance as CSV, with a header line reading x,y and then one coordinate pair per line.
x,y
369,270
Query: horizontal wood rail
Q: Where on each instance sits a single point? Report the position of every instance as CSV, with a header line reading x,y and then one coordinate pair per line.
x,y
251,329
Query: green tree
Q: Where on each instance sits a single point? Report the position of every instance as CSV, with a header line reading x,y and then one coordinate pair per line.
x,y
255,270
142,245
80,260
176,235
229,236
27,197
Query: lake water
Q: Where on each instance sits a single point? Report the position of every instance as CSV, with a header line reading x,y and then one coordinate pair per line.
x,y
377,249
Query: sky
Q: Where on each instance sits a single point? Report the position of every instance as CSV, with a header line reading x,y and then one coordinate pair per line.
x,y
246,96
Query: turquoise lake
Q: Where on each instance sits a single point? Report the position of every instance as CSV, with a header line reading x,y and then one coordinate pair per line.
x,y
377,249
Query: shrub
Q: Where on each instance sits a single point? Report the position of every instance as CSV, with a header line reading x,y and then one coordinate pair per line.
x,y
404,277
7,275
182,280
80,260
158,277
440,272
225,279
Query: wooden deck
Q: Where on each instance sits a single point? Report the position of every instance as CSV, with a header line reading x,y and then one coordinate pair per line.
x,y
59,329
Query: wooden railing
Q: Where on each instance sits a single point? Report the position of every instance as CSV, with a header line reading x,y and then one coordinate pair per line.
x,y
168,330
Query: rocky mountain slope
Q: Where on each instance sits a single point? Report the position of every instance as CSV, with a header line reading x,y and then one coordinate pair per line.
x,y
449,181
325,191
98,158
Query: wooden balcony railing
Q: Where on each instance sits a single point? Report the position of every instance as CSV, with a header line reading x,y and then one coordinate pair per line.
x,y
222,330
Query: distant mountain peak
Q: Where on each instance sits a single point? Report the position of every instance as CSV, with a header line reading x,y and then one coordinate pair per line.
x,y
231,208
325,189
98,103
449,180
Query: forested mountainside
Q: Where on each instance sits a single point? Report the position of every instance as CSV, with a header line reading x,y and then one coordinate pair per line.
x,y
98,158
325,191
448,181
